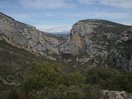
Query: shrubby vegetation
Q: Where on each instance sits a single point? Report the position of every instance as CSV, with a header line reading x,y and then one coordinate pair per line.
x,y
109,78
48,80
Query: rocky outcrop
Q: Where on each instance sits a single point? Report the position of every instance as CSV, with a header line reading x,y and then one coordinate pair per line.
x,y
26,36
106,94
102,42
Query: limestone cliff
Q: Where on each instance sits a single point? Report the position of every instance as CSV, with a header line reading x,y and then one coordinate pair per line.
x,y
26,36
100,42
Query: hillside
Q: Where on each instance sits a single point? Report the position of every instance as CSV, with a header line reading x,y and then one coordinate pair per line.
x,y
13,62
96,55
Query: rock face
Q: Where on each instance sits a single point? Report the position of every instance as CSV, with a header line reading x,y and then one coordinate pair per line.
x,y
102,42
91,42
26,36
106,94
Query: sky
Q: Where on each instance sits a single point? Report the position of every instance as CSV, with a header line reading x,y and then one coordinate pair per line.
x,y
60,15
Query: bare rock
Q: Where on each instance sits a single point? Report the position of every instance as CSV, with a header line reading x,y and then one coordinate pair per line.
x,y
106,94
107,43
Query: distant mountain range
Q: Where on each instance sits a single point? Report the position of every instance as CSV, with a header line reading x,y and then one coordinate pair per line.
x,y
62,32
58,30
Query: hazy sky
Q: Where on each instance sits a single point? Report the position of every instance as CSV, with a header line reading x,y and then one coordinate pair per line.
x,y
60,15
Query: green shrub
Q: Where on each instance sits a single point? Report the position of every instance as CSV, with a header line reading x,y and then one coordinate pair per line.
x,y
109,78
42,75
46,80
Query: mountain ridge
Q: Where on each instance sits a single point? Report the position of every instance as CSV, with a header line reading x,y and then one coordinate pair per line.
x,y
25,36
91,42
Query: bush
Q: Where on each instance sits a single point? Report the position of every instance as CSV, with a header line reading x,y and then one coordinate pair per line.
x,y
109,78
47,81
74,78
125,82
42,75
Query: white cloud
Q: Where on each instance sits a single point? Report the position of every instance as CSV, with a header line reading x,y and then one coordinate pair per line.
x,y
47,4
87,1
115,3
54,28
119,17
99,14
112,15
118,3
